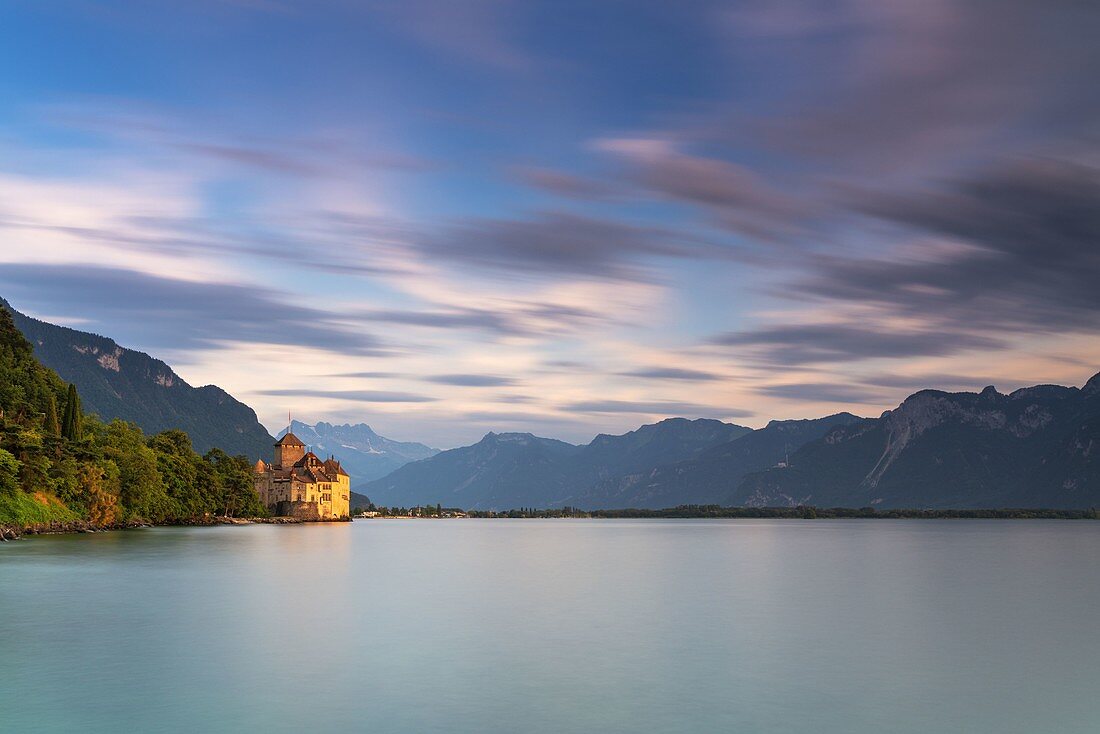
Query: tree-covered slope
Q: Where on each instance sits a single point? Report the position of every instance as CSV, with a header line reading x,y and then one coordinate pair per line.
x,y
56,469
115,382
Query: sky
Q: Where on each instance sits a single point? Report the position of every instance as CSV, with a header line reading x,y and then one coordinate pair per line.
x,y
444,218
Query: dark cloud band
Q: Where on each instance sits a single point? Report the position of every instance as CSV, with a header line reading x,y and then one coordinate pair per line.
x,y
179,314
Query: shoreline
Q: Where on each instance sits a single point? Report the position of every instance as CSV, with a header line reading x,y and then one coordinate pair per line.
x,y
74,527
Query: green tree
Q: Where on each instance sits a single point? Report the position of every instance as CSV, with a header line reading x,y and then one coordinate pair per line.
x,y
72,423
9,473
25,384
64,481
53,427
142,490
235,485
178,466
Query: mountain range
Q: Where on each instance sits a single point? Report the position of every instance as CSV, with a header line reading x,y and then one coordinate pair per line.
x,y
713,476
115,382
519,469
362,452
1035,447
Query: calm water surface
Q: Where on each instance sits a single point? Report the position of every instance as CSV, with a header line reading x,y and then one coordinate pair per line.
x,y
556,626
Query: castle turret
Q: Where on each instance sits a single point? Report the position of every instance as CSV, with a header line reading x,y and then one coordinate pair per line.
x,y
287,451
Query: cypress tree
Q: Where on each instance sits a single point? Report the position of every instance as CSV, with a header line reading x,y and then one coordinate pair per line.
x,y
67,415
78,418
52,426
72,423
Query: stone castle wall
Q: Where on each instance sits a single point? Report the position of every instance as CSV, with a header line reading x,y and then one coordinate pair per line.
x,y
300,510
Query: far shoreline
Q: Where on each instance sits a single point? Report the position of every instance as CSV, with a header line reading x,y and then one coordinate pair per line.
x,y
76,527
799,512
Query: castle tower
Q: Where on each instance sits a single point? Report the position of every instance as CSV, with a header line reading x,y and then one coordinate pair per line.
x,y
288,450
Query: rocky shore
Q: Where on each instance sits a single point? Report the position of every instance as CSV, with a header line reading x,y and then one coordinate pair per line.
x,y
11,532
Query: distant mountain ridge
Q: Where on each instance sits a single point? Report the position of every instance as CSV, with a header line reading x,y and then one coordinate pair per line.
x,y
713,476
363,453
518,469
1035,447
115,382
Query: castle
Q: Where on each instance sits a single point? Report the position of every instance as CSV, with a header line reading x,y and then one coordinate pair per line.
x,y
299,484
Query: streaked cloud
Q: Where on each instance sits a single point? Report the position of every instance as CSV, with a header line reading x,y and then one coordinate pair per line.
x,y
459,380
825,392
561,183
355,396
557,243
915,86
1030,261
657,407
477,32
816,343
180,314
672,373
737,197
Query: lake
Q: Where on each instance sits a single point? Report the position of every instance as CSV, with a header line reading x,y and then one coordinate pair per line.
x,y
556,626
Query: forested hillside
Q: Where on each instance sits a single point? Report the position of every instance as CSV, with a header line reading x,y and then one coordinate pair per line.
x,y
115,382
59,464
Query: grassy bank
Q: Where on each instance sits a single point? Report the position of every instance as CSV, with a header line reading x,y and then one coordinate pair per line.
x,y
21,509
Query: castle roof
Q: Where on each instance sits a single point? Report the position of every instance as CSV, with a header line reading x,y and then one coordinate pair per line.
x,y
332,466
308,469
309,459
314,475
306,474
289,440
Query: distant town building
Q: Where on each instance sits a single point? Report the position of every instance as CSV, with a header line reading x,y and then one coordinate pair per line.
x,y
299,484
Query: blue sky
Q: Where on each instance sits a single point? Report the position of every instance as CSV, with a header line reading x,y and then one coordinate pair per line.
x,y
443,218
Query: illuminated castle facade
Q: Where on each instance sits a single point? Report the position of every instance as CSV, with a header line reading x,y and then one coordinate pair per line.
x,y
299,484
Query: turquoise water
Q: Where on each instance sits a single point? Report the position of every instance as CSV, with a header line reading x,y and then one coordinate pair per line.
x,y
555,626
